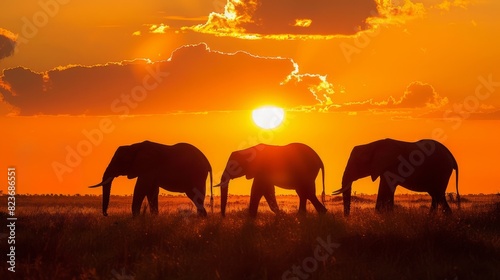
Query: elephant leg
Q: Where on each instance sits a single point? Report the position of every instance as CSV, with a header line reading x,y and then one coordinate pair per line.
x,y
270,197
308,191
444,203
439,198
302,204
317,204
434,203
441,195
385,197
140,191
198,198
256,194
152,196
302,199
311,190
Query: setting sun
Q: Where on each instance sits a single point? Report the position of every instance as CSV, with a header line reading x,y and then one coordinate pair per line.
x,y
268,117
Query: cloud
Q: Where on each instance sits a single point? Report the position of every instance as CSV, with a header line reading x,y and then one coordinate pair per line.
x,y
281,19
7,43
193,79
306,19
417,95
495,115
420,95
181,18
397,12
448,5
158,28
458,116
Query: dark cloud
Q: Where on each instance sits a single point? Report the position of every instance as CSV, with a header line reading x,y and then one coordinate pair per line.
x,y
417,95
285,18
7,43
486,116
194,79
327,16
457,117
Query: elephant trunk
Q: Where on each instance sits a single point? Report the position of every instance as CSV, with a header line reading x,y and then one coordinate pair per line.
x,y
346,197
107,180
223,199
224,188
106,192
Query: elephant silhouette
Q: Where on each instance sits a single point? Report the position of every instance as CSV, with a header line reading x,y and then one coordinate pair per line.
x,y
422,166
178,168
293,166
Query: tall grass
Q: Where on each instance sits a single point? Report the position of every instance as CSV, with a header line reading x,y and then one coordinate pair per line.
x,y
67,238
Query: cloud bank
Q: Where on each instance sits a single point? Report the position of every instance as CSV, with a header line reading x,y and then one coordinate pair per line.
x,y
309,19
7,43
417,95
284,19
193,79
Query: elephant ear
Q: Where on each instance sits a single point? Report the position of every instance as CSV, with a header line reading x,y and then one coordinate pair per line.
x,y
121,162
250,168
141,158
383,157
250,173
360,163
249,161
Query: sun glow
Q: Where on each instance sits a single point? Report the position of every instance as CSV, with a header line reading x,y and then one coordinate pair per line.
x,y
268,117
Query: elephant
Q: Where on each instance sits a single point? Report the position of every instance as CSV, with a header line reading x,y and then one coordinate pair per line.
x,y
178,168
293,166
422,166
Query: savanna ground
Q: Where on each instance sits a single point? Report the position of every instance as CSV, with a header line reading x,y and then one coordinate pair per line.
x,y
62,237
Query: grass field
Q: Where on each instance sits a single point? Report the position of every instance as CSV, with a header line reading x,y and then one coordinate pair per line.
x,y
62,237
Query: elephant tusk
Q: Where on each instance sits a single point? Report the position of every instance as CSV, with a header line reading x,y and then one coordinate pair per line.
x,y
339,191
102,183
95,186
221,183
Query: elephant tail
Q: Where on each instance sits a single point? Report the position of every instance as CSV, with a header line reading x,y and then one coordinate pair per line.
x,y
456,182
323,198
211,192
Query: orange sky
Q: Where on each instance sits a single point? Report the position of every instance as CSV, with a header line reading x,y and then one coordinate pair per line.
x,y
346,72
